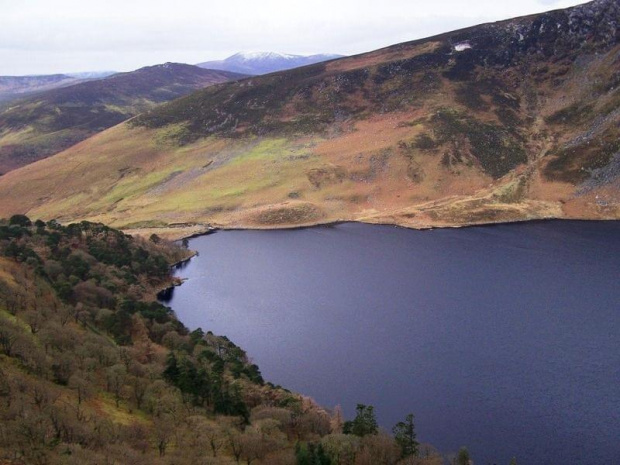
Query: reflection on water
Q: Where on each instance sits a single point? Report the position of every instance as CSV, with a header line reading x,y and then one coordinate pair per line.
x,y
165,296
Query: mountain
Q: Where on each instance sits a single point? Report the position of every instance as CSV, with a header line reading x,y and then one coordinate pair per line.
x,y
92,74
12,87
15,87
507,121
265,62
46,123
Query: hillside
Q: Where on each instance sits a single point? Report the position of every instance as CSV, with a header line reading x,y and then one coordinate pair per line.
x,y
46,123
254,63
93,370
12,87
507,121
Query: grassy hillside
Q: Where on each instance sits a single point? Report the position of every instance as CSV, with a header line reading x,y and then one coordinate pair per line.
x,y
38,126
501,122
93,370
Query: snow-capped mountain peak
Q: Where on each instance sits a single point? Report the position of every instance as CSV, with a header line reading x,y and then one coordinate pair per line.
x,y
263,56
264,62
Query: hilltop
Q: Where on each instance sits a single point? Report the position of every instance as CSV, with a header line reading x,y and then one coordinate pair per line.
x,y
500,122
255,63
46,123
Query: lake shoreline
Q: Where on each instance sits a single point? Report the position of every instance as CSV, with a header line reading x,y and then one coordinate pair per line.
x,y
210,229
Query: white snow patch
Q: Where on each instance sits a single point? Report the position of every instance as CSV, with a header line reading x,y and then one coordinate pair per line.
x,y
462,46
263,56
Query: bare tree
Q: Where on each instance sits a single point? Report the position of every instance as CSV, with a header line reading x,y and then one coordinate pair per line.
x,y
10,335
116,376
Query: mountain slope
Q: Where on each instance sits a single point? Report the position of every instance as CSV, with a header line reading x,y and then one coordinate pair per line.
x,y
501,122
47,123
94,370
265,62
12,87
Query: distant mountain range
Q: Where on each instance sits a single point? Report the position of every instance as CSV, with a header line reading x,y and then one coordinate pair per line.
x,y
13,87
40,125
43,115
256,63
91,74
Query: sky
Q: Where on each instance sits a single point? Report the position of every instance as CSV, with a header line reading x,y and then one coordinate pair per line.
x,y
55,36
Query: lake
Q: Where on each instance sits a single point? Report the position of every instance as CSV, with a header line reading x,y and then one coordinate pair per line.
x,y
502,338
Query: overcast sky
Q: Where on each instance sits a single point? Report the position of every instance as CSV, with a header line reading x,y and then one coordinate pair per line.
x,y
53,36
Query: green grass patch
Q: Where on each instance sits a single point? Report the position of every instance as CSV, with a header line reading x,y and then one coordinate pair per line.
x,y
265,149
175,134
144,224
134,185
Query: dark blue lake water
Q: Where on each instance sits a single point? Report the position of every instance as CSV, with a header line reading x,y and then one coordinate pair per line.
x,y
502,338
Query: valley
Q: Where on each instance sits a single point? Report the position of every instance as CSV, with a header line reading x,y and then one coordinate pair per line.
x,y
502,122
40,125
315,172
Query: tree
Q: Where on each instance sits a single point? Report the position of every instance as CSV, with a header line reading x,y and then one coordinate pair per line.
x,y
463,458
10,335
364,423
82,387
116,377
404,433
34,320
234,443
20,220
311,454
215,437
171,372
163,434
337,421
341,448
378,449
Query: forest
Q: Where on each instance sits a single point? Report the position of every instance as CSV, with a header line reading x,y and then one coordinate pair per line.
x,y
94,370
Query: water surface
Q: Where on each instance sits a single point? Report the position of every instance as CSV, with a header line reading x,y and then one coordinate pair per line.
x,y
502,338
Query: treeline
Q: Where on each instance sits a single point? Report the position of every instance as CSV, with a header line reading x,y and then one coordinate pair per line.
x,y
93,370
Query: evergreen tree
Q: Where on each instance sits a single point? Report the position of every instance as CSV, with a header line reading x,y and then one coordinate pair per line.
x,y
364,423
404,433
463,457
171,372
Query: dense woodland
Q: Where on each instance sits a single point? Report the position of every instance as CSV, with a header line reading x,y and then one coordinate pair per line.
x,y
93,370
